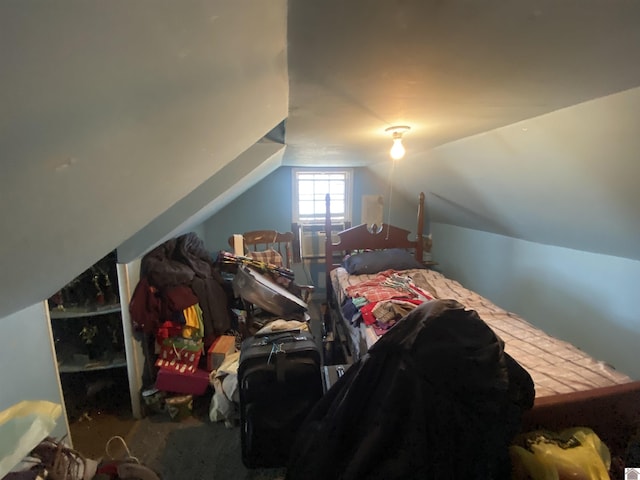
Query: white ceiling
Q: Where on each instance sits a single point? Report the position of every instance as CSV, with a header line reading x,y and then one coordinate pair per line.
x,y
449,69
112,113
524,115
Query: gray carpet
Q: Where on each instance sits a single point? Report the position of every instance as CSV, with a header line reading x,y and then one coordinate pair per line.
x,y
193,449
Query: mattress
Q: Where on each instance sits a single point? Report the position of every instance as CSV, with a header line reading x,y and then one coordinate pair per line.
x,y
555,366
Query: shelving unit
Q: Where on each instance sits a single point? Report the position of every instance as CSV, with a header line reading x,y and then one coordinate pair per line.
x,y
88,334
75,312
88,339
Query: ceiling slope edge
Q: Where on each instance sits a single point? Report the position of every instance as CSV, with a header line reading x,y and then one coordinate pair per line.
x,y
565,179
210,197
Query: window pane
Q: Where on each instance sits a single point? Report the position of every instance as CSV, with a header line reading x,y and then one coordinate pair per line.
x,y
312,188
337,207
305,208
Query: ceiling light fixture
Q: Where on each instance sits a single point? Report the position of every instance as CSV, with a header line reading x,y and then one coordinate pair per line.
x,y
397,150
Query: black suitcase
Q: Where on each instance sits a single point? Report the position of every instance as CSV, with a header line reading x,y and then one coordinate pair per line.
x,y
280,381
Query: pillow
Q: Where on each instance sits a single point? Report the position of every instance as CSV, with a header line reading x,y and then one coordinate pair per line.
x,y
380,260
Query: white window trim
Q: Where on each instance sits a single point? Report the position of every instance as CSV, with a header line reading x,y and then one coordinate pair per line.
x,y
348,193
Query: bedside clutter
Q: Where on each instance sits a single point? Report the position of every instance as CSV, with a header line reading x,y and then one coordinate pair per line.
x,y
219,349
172,381
187,374
187,378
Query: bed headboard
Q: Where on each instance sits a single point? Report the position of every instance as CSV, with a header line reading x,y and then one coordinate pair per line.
x,y
360,237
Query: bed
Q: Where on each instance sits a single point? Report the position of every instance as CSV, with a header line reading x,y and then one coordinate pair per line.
x,y
572,388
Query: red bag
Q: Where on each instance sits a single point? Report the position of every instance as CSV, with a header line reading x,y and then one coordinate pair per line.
x,y
180,354
195,383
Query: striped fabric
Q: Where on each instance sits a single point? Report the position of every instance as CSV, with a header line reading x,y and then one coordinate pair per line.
x,y
270,256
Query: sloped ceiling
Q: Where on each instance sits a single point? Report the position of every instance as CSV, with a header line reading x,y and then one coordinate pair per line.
x,y
114,111
211,196
523,115
449,69
568,178
118,118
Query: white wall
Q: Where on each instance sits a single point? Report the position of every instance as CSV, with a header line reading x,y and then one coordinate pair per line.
x,y
28,367
128,277
585,298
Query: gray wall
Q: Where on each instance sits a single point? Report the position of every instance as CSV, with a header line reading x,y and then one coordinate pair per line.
x,y
268,205
27,361
585,298
114,111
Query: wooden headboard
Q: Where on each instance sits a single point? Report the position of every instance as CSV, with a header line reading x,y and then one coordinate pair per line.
x,y
361,237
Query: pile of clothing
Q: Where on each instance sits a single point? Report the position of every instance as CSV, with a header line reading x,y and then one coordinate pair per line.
x,y
382,300
181,305
176,276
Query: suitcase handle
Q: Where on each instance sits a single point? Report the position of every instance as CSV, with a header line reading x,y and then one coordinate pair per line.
x,y
289,336
277,334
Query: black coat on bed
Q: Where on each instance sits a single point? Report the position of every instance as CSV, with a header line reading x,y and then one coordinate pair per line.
x,y
436,397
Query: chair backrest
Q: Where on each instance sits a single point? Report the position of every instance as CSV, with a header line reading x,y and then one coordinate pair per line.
x,y
262,240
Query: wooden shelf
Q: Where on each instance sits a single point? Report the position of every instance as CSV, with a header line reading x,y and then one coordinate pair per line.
x,y
92,365
76,312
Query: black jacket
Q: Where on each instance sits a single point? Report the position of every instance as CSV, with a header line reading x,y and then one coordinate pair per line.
x,y
185,261
435,398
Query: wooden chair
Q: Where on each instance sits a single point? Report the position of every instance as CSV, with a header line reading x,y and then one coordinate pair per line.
x,y
282,243
262,240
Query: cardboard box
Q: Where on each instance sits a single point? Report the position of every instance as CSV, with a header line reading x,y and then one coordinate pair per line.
x,y
219,349
188,383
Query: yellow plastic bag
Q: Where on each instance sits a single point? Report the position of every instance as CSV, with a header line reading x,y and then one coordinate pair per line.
x,y
575,453
22,427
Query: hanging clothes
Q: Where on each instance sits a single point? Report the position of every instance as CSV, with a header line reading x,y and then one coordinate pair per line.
x,y
175,275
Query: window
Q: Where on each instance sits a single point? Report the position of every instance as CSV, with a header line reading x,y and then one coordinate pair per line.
x,y
310,187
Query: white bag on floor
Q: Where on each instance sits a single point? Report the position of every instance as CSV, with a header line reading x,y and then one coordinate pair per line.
x,y
225,386
22,427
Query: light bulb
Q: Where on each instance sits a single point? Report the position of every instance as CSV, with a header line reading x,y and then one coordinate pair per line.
x,y
397,150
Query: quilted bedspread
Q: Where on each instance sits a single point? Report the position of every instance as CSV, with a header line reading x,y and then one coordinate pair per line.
x,y
556,366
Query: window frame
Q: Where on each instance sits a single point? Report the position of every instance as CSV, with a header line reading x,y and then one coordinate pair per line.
x,y
348,194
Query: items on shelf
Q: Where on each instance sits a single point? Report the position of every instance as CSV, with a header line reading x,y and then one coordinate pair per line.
x,y
86,320
93,342
95,288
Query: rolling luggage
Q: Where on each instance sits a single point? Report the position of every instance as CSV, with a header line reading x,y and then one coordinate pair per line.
x,y
280,381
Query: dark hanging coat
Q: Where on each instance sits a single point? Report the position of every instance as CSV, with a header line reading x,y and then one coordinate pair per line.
x,y
435,398
165,271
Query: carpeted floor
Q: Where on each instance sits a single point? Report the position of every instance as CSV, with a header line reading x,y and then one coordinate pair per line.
x,y
193,449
